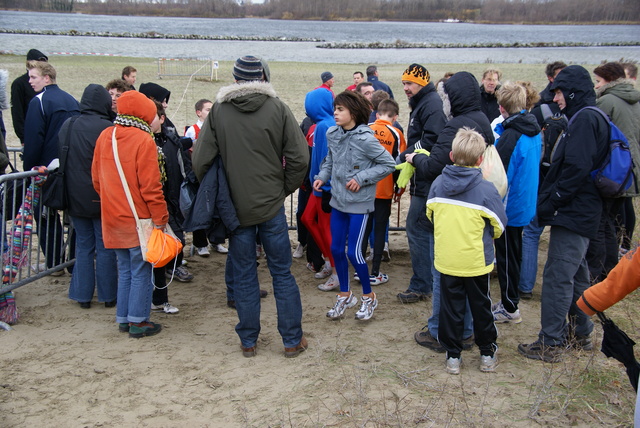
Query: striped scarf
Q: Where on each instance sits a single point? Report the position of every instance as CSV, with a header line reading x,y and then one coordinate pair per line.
x,y
136,122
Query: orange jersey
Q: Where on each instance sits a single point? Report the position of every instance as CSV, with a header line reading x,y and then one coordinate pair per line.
x,y
392,139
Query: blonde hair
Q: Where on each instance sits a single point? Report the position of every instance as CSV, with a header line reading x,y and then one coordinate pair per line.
x,y
532,95
44,68
467,147
512,97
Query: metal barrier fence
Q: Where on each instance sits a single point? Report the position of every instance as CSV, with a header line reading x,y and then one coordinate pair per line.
x,y
35,240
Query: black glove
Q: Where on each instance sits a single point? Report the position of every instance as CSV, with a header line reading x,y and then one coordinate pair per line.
x,y
326,198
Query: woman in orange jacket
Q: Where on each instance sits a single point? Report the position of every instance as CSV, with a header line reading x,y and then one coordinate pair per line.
x,y
621,281
136,119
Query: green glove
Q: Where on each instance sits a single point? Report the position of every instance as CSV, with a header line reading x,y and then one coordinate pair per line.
x,y
407,170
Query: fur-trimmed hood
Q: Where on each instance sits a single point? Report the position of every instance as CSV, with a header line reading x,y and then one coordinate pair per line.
x,y
246,96
621,88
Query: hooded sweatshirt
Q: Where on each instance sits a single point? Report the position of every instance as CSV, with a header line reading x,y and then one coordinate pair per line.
x,y
467,215
520,147
263,150
319,107
568,197
95,116
139,158
464,95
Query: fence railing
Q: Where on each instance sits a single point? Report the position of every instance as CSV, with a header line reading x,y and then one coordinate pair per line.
x,y
35,240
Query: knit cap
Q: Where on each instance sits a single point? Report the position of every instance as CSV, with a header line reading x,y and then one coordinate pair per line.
x,y
36,55
248,68
327,75
416,73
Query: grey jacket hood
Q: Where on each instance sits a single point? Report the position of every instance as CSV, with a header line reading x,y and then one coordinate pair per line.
x,y
621,88
459,179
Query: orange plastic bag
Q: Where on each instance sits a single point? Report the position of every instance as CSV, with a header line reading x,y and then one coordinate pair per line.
x,y
162,247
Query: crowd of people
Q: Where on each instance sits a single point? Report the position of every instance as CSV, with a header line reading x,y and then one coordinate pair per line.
x,y
348,160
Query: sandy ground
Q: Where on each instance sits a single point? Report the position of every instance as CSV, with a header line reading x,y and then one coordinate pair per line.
x,y
67,366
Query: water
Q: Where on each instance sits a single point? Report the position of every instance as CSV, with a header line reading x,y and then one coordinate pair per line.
x,y
385,32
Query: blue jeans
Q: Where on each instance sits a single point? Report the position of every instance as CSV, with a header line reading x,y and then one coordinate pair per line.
x,y
243,280
529,268
135,286
89,246
422,280
434,320
565,278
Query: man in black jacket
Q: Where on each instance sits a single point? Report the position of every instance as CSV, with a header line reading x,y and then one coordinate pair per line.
x,y
490,84
464,94
570,203
21,94
426,121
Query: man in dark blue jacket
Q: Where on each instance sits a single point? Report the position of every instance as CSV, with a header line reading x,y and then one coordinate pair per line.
x,y
570,203
372,76
47,112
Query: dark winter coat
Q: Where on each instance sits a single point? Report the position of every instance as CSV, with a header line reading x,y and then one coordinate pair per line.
x,y
213,208
464,95
21,95
426,122
47,112
568,197
489,104
95,116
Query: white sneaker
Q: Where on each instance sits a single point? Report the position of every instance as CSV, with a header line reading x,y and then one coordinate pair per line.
x,y
386,255
369,256
502,316
488,364
453,365
259,251
342,303
299,252
203,251
381,278
221,249
356,277
332,283
366,309
167,308
496,306
325,272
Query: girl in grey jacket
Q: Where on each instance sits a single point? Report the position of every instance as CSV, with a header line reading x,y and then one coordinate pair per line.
x,y
355,162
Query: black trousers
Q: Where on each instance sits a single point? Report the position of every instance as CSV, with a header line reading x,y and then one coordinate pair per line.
x,y
602,254
509,261
377,222
454,293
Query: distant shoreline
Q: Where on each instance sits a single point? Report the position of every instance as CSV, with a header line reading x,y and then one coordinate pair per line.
x,y
399,44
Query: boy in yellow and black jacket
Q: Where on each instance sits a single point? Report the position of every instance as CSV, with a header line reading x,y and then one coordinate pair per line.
x,y
467,214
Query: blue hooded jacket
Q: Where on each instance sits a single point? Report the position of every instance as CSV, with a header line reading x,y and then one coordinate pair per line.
x,y
319,106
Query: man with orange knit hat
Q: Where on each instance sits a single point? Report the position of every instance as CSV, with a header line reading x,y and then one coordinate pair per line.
x,y
425,123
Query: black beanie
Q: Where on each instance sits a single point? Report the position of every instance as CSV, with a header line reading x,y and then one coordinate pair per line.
x,y
36,55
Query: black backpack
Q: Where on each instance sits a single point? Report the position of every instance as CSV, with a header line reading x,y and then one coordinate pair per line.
x,y
553,127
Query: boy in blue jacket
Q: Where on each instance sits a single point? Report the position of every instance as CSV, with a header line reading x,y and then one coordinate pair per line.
x,y
467,215
519,146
